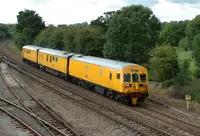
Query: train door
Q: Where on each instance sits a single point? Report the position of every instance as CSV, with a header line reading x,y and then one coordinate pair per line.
x,y
110,80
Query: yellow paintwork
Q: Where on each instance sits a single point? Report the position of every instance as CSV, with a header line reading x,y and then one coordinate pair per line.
x,y
60,65
91,72
29,54
135,85
134,100
78,69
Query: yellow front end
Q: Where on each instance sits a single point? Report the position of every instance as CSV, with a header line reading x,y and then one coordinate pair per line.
x,y
135,83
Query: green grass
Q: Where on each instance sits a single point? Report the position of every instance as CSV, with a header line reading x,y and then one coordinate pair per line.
x,y
182,54
13,48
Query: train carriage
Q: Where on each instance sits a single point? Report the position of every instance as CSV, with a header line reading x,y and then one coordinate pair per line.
x,y
113,78
54,61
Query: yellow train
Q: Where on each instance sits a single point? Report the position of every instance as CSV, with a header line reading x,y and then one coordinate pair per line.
x,y
127,82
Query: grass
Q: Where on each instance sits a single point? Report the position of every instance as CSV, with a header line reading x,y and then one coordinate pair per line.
x,y
13,48
182,54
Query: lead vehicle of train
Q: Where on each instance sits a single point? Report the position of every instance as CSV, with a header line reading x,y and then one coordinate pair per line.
x,y
123,81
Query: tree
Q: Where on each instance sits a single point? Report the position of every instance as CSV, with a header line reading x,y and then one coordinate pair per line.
x,y
51,37
192,29
184,43
164,63
196,49
29,25
4,33
132,33
85,40
103,21
173,32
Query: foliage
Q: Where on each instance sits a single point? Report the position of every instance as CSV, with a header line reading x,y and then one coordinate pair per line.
x,y
28,26
103,21
173,32
132,33
196,50
183,76
85,40
164,63
51,37
193,89
184,43
192,29
4,33
11,28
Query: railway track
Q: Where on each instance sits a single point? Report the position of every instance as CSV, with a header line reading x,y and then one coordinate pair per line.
x,y
54,124
183,125
19,123
121,118
125,120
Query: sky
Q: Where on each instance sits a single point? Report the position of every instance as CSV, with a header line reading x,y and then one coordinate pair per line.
x,y
76,11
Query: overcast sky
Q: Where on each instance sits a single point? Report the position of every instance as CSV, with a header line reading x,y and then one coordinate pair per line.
x,y
76,11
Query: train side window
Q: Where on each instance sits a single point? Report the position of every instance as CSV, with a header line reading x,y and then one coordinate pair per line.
x,y
53,58
50,58
110,76
118,76
101,72
86,68
47,57
56,59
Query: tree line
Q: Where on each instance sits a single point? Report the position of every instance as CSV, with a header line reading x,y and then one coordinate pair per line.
x,y
132,34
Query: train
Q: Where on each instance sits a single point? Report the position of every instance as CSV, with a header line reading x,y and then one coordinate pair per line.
x,y
122,81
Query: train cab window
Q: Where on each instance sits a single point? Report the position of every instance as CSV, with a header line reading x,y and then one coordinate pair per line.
x,y
142,77
47,57
134,77
118,76
101,72
127,77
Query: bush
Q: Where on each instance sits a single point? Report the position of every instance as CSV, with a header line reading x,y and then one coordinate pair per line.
x,y
183,76
164,63
184,43
193,89
167,83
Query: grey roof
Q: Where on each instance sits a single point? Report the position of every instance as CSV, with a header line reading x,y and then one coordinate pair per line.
x,y
31,47
56,52
114,64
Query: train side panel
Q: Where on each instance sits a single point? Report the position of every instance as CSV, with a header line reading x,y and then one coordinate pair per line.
x,y
95,74
30,55
53,62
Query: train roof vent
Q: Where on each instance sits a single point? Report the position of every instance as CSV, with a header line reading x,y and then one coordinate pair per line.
x,y
65,53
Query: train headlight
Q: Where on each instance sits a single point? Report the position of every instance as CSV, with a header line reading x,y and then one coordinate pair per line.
x,y
128,85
